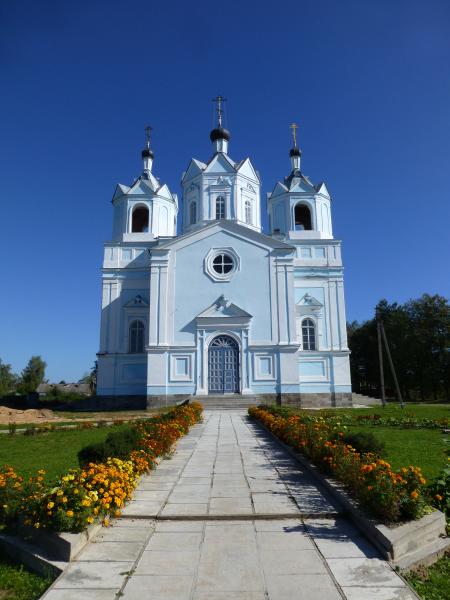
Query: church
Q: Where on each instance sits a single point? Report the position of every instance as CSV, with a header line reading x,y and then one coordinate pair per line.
x,y
215,305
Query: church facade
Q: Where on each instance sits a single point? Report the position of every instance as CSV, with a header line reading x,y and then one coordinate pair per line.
x,y
223,307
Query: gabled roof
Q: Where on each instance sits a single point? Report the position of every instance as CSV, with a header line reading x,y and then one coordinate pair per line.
x,y
308,300
222,307
120,190
278,190
137,301
296,182
322,189
246,168
240,231
220,163
194,168
144,185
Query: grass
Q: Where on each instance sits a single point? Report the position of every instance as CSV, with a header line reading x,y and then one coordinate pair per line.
x,y
419,447
425,411
16,583
55,451
433,582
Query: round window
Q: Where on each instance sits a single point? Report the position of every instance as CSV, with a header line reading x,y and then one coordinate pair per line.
x,y
223,263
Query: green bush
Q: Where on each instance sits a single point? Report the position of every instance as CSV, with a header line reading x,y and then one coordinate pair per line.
x,y
55,396
118,444
364,442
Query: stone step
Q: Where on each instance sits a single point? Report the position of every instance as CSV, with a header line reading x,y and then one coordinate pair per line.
x,y
226,402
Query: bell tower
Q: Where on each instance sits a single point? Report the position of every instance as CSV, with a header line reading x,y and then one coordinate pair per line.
x,y
221,188
297,208
147,210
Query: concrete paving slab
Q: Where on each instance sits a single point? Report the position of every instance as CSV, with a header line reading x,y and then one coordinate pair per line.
x,y
230,506
287,562
229,596
114,550
184,510
286,525
181,526
123,534
293,540
379,593
174,541
363,572
301,587
75,595
162,587
94,575
142,508
168,563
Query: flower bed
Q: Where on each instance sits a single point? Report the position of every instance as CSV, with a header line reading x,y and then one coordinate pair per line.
x,y
95,490
390,495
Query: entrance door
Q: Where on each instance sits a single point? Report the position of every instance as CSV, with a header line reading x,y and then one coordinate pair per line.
x,y
223,361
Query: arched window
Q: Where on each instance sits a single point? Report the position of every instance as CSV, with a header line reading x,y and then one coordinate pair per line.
x,y
193,213
302,218
308,334
136,337
248,212
139,221
220,207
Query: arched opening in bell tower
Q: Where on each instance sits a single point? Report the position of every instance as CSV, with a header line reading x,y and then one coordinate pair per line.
x,y
139,220
302,216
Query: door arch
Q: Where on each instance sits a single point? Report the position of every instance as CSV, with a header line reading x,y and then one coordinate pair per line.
x,y
223,366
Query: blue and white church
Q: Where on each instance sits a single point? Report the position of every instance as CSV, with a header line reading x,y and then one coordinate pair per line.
x,y
218,306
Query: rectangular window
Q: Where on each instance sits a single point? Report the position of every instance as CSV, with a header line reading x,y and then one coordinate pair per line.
x,y
305,252
181,366
319,252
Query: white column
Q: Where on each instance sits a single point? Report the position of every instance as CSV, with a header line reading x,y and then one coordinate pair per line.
x,y
341,315
334,326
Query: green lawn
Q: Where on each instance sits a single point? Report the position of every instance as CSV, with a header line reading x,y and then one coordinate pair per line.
x,y
425,411
16,583
432,583
56,451
419,447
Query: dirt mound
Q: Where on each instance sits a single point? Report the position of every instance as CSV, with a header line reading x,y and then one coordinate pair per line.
x,y
31,415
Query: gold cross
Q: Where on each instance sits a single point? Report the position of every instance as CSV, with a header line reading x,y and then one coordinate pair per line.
x,y
294,128
148,130
219,109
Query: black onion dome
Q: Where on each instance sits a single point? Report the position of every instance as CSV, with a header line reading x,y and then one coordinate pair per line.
x,y
295,152
220,134
147,153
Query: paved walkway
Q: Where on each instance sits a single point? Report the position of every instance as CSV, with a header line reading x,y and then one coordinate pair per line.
x,y
229,517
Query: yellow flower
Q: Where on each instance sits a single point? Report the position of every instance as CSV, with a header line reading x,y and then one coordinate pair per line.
x,y
50,505
69,513
438,497
414,494
90,519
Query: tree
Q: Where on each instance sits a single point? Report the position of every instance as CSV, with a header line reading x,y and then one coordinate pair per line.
x,y
32,375
7,379
419,339
91,378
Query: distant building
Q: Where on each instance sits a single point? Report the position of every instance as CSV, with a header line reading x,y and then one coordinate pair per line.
x,y
223,307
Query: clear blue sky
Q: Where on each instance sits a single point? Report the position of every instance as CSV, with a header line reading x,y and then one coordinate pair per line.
x,y
368,81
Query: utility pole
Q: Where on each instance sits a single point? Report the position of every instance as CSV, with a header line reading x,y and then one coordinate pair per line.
x,y
380,358
391,363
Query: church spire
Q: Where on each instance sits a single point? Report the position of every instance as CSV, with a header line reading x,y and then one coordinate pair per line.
x,y
295,152
147,154
220,136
